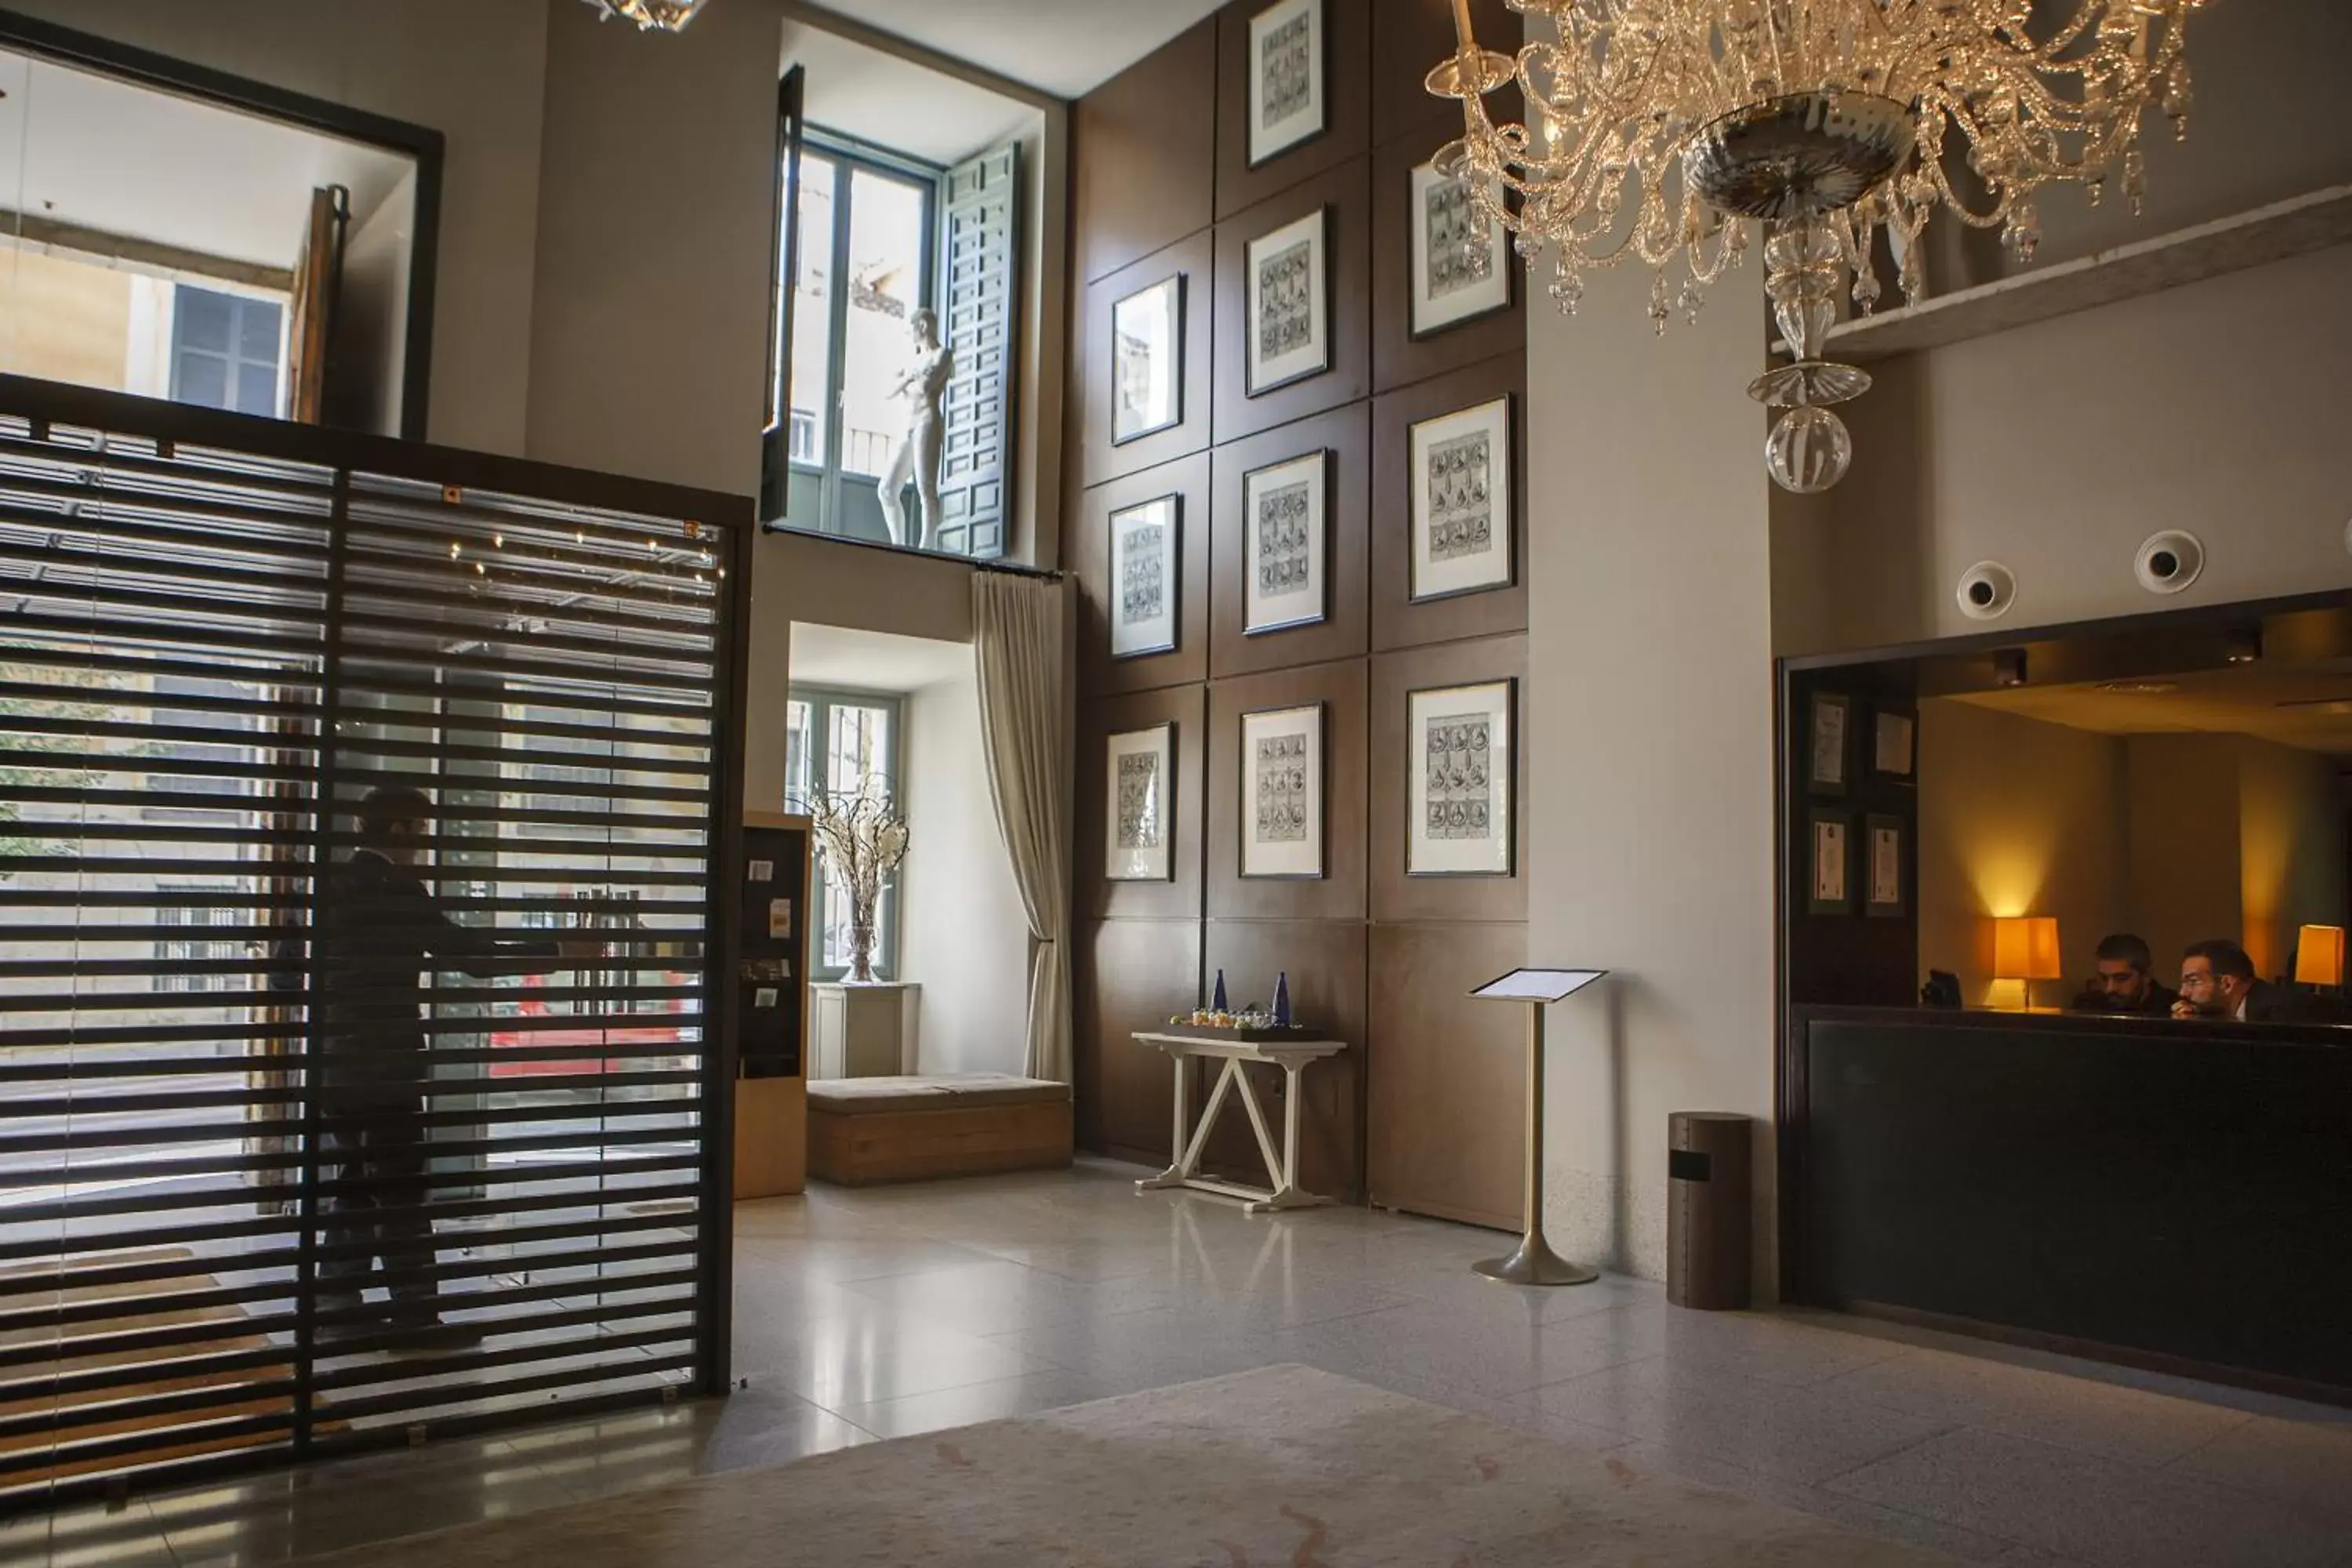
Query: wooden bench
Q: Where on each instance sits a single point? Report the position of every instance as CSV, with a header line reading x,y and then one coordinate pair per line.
x,y
869,1129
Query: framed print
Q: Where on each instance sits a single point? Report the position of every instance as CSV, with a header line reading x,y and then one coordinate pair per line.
x,y
1826,748
1284,546
1892,742
1458,741
1145,577
1461,483
1146,360
1289,322
1885,849
1282,792
1141,816
1830,894
1460,268
1285,83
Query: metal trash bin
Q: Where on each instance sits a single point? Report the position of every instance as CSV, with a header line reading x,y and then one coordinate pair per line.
x,y
1708,1158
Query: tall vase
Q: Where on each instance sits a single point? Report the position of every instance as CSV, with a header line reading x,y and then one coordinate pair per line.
x,y
861,952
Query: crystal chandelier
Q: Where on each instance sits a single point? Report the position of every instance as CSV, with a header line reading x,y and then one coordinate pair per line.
x,y
1659,125
662,16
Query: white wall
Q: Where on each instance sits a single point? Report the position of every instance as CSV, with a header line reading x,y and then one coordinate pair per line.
x,y
962,932
473,71
2056,448
372,307
1649,726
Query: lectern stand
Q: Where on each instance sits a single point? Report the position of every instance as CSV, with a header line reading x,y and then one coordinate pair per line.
x,y
1535,1263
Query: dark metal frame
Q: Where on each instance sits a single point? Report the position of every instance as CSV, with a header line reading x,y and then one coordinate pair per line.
x,y
184,79
728,525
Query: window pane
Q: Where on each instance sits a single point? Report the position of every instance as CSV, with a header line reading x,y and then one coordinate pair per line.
x,y
256,332
886,282
202,381
202,320
796,756
806,396
257,389
859,751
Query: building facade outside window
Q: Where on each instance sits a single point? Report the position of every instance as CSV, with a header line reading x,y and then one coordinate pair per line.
x,y
844,741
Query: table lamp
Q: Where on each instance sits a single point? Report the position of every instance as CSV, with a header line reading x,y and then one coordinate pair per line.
x,y
2319,956
2025,948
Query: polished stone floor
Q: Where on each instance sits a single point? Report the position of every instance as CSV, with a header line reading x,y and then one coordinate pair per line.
x,y
892,1312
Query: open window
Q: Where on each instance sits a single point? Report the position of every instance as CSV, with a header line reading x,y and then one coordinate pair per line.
x,y
900,194
176,234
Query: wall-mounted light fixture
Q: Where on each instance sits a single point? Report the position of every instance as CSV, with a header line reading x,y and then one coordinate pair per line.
x,y
2319,956
2009,666
2025,948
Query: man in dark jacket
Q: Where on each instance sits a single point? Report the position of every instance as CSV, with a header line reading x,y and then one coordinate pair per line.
x,y
378,929
2125,983
2217,981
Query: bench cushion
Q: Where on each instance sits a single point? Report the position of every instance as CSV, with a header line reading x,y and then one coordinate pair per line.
x,y
937,1092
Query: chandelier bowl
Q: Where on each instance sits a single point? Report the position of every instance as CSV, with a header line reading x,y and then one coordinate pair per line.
x,y
1799,153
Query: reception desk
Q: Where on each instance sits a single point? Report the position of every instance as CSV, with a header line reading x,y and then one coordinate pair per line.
x,y
2172,1195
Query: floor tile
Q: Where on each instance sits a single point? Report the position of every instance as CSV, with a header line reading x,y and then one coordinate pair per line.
x,y
2100,1511
1709,1415
2305,1462
1506,1353
834,1361
974,1404
87,1537
2026,1402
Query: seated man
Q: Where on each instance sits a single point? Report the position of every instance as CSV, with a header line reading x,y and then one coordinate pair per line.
x,y
2124,983
2217,981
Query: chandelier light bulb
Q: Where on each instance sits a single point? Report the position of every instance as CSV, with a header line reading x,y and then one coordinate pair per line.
x,y
1655,129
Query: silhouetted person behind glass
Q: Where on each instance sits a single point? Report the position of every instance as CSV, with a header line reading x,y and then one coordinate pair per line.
x,y
380,928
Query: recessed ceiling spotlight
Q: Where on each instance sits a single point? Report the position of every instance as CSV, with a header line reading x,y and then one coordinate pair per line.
x,y
2244,644
2139,688
2009,666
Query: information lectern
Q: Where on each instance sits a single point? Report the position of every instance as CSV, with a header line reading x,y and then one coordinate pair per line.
x,y
1535,1263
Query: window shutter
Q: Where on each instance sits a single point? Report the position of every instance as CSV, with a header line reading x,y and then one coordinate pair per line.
x,y
978,321
784,271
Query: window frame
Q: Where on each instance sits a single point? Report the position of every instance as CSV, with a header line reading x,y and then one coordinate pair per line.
x,y
422,144
849,156
822,701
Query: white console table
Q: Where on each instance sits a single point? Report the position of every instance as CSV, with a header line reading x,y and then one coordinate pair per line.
x,y
1293,1057
865,1030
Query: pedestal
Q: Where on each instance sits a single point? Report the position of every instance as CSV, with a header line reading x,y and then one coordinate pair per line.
x,y
865,1030
1535,1263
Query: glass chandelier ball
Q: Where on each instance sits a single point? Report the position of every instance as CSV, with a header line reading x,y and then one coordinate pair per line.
x,y
1808,450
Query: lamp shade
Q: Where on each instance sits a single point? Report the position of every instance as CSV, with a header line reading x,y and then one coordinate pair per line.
x,y
2319,956
2025,947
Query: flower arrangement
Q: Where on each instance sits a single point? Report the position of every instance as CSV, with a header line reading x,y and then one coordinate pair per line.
x,y
864,839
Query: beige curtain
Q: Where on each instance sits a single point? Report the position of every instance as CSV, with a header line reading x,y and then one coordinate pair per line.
x,y
1018,628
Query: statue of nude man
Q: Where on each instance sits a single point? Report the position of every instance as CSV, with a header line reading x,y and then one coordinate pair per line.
x,y
915,455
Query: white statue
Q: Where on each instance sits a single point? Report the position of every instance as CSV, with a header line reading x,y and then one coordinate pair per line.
x,y
916,454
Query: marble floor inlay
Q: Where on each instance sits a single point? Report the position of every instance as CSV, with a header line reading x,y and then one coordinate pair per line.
x,y
890,1312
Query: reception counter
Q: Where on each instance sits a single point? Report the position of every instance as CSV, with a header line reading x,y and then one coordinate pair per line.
x,y
2172,1195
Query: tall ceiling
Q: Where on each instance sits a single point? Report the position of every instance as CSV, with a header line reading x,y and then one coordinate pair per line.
x,y
1062,46
2306,705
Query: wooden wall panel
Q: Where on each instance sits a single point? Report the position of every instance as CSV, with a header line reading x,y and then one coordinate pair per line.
x,y
1129,975
1346,631
1099,673
1346,104
1143,152
1179,897
1398,356
1445,1106
1193,259
1396,896
1409,38
1346,194
1397,621
1325,963
1339,893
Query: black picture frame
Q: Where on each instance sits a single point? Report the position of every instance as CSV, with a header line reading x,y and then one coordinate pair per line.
x,y
1411,264
1324,557
1900,904
1325,296
1505,481
1176,342
1175,551
1321,836
1416,761
1829,743
1320,62
1828,834
1880,719
1170,735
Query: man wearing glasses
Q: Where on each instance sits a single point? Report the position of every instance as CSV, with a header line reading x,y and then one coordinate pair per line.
x,y
2217,981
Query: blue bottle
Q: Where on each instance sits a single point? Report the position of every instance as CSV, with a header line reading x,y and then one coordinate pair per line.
x,y
1282,1000
1217,997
